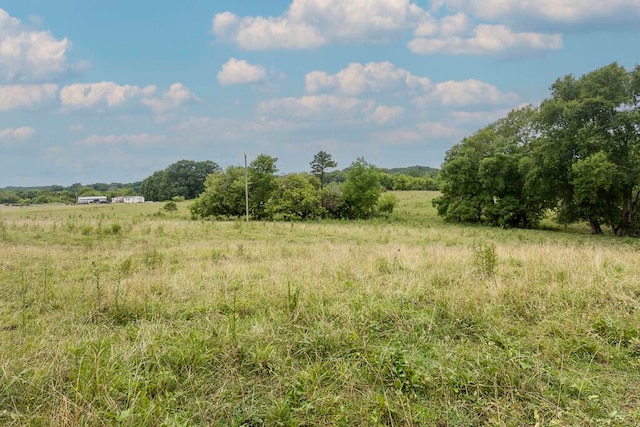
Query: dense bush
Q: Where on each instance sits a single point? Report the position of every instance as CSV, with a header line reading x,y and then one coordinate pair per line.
x,y
294,196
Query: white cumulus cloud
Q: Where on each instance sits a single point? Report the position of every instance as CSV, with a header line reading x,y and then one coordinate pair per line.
x,y
240,72
383,114
467,92
177,96
545,13
314,23
318,107
18,134
29,55
101,94
16,97
356,79
497,40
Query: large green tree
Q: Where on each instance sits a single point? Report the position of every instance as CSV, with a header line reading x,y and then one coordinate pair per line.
x,y
589,152
223,194
462,197
487,177
320,163
296,196
262,183
362,189
184,178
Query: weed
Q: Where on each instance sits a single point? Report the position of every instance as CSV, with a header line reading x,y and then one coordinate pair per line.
x,y
152,259
485,258
293,299
25,301
115,228
124,269
96,270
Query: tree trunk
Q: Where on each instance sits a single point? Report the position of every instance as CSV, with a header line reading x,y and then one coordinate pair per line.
x,y
595,226
627,213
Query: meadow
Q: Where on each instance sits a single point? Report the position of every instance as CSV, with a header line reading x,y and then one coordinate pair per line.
x,y
129,315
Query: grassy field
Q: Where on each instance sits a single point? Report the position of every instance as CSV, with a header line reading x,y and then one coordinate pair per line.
x,y
127,315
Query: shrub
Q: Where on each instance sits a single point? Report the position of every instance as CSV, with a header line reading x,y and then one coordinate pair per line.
x,y
170,206
485,258
387,203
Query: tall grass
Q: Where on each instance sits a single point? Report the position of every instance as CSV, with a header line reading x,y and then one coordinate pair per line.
x,y
170,321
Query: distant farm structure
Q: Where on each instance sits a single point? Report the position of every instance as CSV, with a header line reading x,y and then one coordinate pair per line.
x,y
127,199
87,200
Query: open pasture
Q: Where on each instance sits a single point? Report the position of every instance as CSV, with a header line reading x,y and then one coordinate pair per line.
x,y
129,315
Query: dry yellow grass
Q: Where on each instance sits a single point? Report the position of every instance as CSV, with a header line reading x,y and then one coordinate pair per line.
x,y
125,315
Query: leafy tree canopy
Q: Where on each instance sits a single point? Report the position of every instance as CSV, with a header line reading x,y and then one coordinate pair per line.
x,y
184,178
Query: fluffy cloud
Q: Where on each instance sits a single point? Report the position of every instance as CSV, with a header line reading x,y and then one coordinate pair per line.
x,y
102,94
542,13
310,24
239,72
29,55
383,77
110,94
356,79
17,134
383,115
15,97
319,107
177,96
495,40
138,140
467,92
314,23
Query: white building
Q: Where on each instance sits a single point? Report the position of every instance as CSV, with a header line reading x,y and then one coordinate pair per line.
x,y
127,199
86,200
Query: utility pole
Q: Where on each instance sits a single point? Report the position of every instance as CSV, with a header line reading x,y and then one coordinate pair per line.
x,y
246,188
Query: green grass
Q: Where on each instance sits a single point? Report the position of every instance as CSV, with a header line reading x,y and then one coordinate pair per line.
x,y
128,315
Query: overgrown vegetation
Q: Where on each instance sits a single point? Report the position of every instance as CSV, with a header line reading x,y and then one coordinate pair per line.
x,y
298,196
402,320
577,154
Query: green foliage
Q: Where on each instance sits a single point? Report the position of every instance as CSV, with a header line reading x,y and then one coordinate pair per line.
x,y
387,203
333,201
463,199
579,154
66,195
485,258
224,195
184,178
589,153
320,163
362,189
262,183
296,196
170,206
402,182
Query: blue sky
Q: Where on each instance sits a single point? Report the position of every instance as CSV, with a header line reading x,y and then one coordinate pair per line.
x,y
96,91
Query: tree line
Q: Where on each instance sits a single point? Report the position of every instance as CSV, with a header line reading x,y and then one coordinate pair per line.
x,y
62,194
185,179
576,155
296,196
